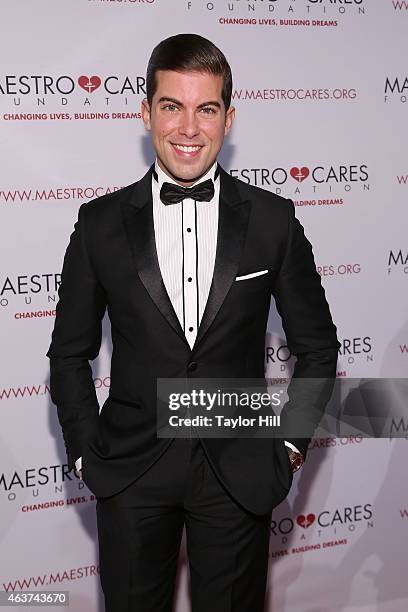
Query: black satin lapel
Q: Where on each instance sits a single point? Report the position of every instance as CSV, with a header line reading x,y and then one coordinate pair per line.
x,y
139,228
232,229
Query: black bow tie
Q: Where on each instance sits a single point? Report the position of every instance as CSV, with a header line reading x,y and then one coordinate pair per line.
x,y
173,194
170,193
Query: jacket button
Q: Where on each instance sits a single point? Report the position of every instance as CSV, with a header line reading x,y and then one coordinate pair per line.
x,y
192,366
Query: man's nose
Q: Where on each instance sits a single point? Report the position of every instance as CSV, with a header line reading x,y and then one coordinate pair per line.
x,y
189,125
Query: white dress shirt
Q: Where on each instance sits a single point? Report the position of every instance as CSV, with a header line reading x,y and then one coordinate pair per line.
x,y
186,242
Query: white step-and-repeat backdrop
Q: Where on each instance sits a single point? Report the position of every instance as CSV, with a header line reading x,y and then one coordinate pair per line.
x,y
321,92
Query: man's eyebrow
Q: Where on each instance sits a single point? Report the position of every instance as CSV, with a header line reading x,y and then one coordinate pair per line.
x,y
210,103
173,100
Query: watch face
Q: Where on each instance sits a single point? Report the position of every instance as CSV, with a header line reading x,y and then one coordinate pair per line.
x,y
296,460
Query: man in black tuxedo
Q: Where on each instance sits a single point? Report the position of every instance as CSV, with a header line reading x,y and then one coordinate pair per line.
x,y
185,261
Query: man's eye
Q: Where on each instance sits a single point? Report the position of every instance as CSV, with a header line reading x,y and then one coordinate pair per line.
x,y
208,110
170,107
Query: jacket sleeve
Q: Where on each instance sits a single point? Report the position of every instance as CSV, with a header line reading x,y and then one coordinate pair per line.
x,y
310,334
76,340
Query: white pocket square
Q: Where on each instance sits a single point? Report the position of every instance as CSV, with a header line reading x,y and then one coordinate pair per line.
x,y
251,275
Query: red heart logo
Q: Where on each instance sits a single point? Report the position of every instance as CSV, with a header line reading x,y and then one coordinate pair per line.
x,y
299,174
90,84
305,521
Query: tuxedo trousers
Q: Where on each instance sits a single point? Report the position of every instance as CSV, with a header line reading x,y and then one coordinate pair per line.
x,y
140,531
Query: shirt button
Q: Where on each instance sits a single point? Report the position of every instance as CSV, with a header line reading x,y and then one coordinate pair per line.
x,y
192,366
189,279
189,229
190,328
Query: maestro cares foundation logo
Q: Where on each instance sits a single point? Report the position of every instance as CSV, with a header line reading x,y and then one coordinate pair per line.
x,y
310,185
40,484
20,93
29,296
338,522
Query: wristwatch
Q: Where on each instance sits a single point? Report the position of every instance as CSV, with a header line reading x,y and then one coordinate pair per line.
x,y
296,459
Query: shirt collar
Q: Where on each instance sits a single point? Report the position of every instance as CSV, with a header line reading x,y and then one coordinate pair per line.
x,y
162,177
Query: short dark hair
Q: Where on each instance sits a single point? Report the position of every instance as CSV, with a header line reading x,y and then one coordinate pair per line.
x,y
189,53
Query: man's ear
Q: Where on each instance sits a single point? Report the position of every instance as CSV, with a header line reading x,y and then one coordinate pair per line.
x,y
229,118
145,108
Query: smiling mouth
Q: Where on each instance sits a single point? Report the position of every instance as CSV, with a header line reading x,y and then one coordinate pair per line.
x,y
187,149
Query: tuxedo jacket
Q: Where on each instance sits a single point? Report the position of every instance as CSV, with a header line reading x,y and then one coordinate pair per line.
x,y
111,263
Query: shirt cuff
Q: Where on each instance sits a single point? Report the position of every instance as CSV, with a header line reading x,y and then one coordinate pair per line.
x,y
78,464
292,447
